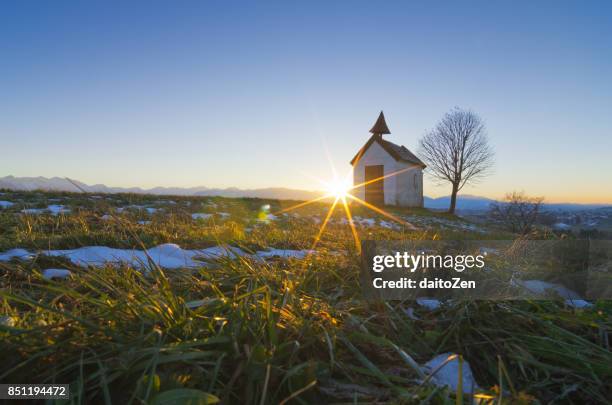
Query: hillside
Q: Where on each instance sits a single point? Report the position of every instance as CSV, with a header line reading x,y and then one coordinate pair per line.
x,y
153,296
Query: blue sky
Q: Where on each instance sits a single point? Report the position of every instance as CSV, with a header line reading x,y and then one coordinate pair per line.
x,y
251,95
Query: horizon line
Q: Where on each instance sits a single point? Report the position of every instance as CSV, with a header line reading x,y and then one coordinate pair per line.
x,y
145,189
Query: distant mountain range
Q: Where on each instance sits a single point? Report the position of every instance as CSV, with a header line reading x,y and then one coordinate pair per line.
x,y
63,184
464,202
468,202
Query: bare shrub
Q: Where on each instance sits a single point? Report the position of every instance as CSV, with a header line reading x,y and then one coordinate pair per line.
x,y
517,212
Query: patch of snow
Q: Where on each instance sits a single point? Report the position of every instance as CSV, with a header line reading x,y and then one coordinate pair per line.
x,y
105,217
55,273
411,315
151,210
283,253
389,225
365,222
18,253
6,204
540,287
572,298
33,211
448,375
201,215
429,303
428,222
578,303
168,255
56,209
144,222
223,214
133,207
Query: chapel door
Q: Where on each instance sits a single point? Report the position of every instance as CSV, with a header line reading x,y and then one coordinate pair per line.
x,y
374,187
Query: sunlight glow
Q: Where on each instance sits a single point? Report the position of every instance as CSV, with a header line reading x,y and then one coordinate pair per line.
x,y
339,187
339,190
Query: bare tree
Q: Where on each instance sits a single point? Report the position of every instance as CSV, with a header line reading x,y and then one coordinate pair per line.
x,y
457,151
517,212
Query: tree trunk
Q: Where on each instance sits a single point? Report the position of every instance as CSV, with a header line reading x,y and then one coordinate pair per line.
x,y
453,202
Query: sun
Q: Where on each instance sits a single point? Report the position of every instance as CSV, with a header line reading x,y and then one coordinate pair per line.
x,y
338,187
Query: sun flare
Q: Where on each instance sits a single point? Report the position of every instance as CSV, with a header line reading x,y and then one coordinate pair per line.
x,y
338,187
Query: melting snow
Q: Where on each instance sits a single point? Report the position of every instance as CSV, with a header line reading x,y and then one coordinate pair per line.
x,y
200,215
541,287
364,221
285,253
58,209
426,222
168,255
429,303
390,225
18,253
448,375
411,315
6,204
578,303
33,211
55,273
53,209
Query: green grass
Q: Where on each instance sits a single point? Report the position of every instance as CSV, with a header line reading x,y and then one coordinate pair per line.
x,y
283,331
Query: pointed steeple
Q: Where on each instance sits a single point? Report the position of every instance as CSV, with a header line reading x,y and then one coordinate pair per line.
x,y
380,127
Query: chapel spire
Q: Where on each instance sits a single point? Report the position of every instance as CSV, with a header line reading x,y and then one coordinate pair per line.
x,y
380,127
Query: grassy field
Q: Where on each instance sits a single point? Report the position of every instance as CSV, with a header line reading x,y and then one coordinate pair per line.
x,y
271,328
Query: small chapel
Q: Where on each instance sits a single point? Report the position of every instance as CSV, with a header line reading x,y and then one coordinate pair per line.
x,y
388,174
